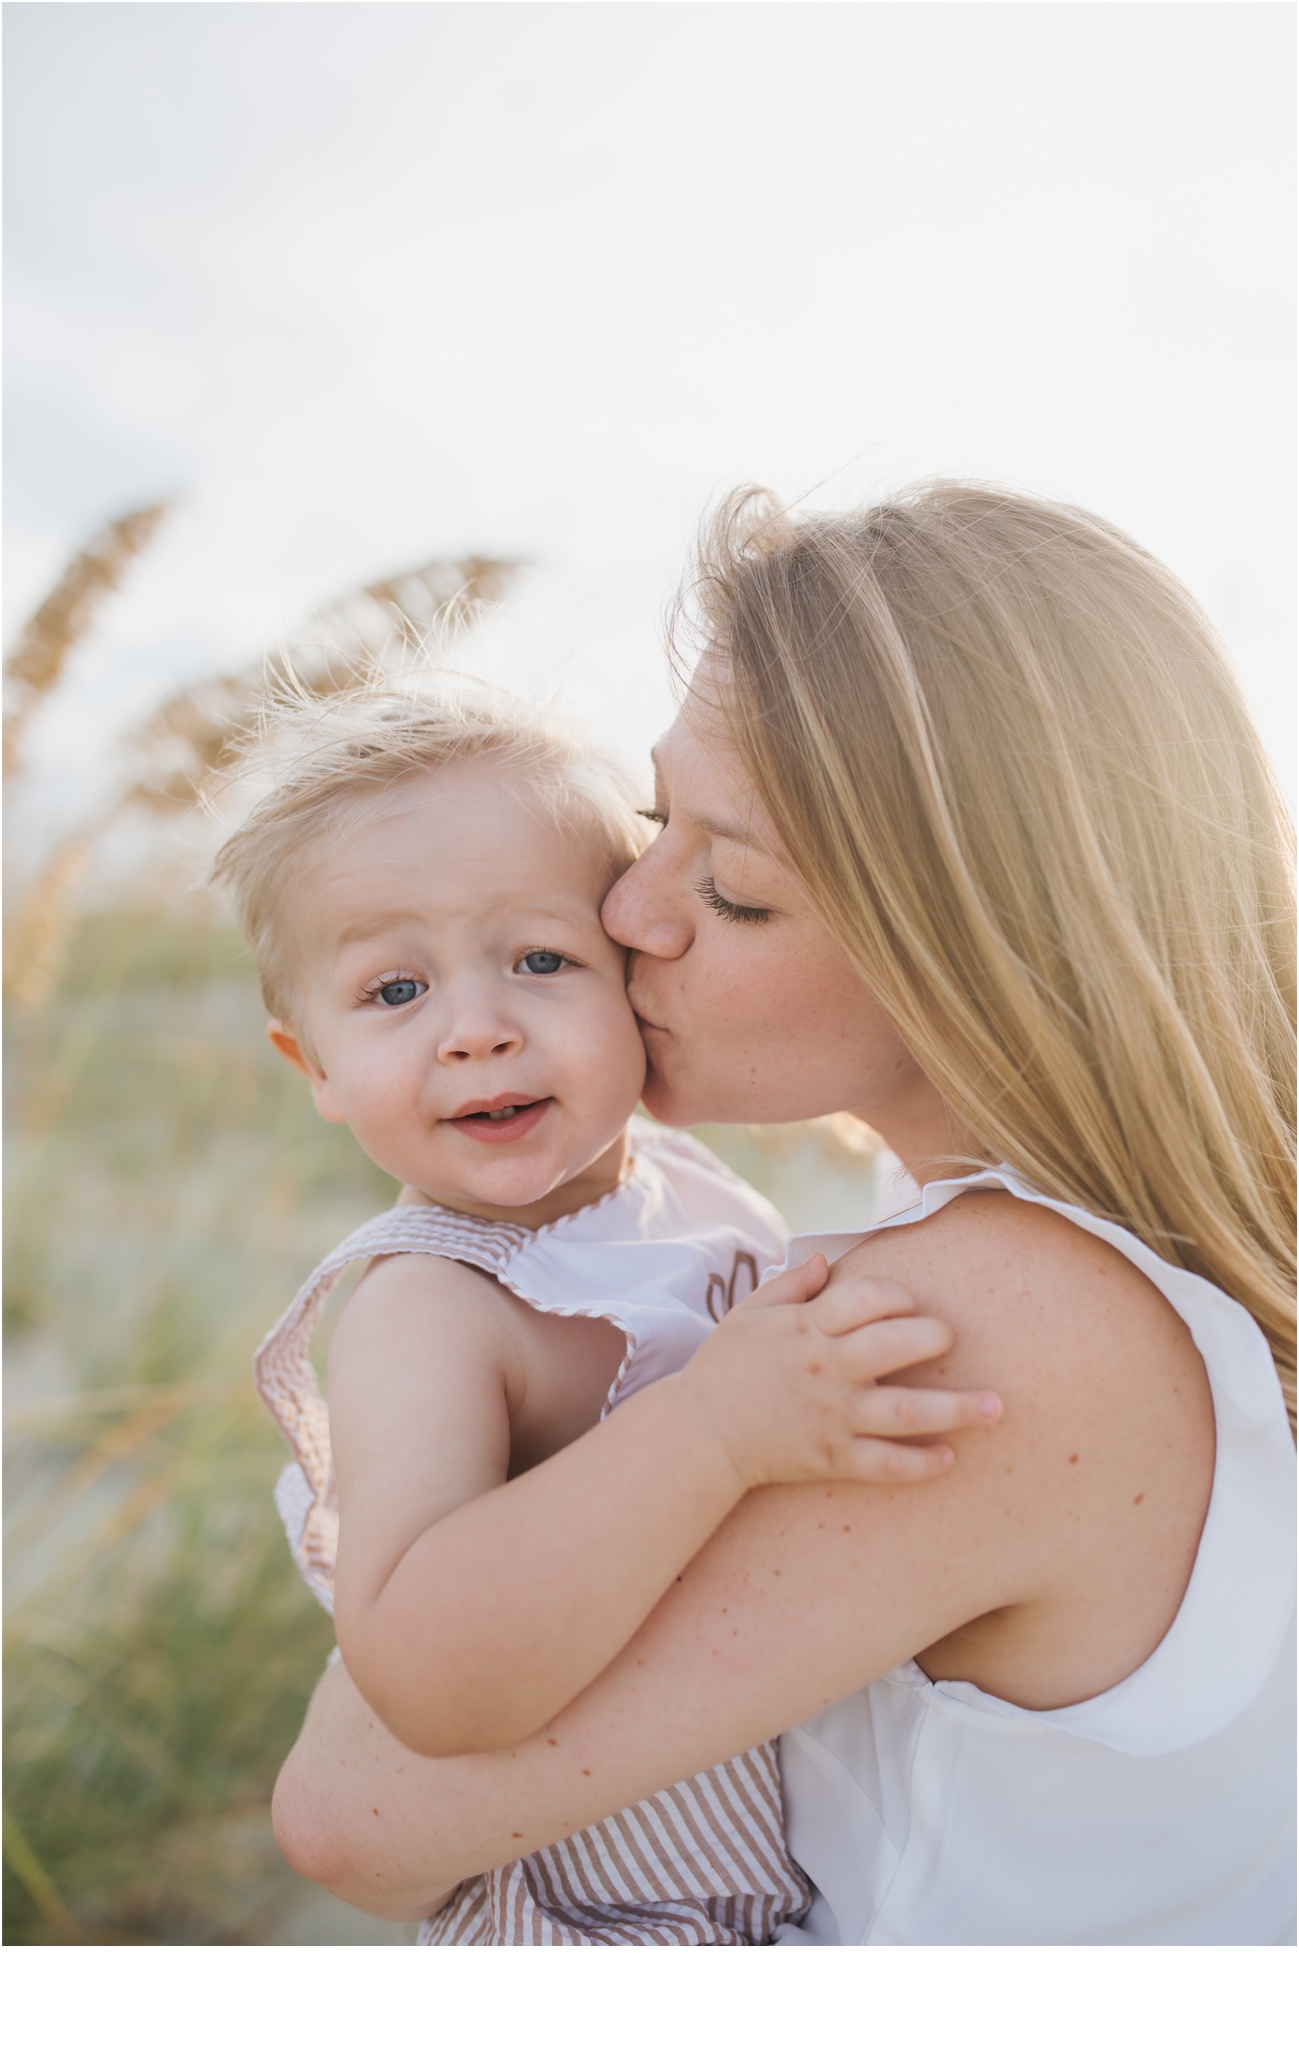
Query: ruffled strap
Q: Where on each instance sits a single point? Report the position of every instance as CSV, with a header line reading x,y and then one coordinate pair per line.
x,y
307,1492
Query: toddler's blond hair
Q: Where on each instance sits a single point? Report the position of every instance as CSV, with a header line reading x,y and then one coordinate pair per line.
x,y
327,759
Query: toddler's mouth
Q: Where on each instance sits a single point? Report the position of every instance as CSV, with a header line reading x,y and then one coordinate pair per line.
x,y
504,1118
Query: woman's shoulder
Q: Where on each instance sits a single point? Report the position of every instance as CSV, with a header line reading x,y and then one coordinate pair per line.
x,y
1093,1489
1048,1310
1023,1254
988,1230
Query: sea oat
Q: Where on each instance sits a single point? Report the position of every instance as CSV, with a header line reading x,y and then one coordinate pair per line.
x,y
186,743
37,933
178,752
66,616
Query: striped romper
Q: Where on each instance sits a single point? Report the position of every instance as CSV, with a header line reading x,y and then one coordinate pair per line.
x,y
662,1257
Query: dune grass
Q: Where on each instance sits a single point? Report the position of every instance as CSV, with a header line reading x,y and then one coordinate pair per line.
x,y
168,1186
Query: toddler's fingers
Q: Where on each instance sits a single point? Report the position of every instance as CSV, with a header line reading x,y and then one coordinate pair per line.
x,y
877,1349
867,1459
800,1283
850,1303
919,1411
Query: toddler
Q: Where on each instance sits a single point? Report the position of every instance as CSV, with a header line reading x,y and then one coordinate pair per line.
x,y
422,890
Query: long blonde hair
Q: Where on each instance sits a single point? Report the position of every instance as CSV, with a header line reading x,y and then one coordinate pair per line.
x,y
1005,751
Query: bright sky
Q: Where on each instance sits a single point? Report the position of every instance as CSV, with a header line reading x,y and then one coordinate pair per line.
x,y
366,283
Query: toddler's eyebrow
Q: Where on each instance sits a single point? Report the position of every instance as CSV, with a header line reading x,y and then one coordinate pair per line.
x,y
379,923
365,928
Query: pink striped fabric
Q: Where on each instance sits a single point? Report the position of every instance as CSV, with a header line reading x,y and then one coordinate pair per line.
x,y
701,1865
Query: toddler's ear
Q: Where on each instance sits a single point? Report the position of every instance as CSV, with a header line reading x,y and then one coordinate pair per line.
x,y
288,1048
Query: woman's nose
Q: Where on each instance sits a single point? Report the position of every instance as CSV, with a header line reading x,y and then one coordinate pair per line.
x,y
646,909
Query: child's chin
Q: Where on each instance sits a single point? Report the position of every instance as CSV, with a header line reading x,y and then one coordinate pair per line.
x,y
514,1183
509,1191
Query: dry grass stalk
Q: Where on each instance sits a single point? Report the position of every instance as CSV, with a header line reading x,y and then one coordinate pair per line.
x,y
28,1868
66,616
37,933
191,738
185,744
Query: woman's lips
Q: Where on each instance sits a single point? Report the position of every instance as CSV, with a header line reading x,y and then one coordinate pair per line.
x,y
501,1129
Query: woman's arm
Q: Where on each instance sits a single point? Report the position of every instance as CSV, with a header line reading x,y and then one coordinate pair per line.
x,y
735,1653
471,1631
1045,1566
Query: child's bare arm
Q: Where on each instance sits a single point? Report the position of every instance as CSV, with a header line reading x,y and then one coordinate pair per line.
x,y
503,1612
418,1412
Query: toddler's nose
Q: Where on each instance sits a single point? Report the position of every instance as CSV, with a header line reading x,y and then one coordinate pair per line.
x,y
477,1038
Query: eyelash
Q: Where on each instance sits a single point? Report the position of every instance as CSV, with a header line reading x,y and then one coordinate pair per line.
x,y
734,913
551,952
374,993
376,988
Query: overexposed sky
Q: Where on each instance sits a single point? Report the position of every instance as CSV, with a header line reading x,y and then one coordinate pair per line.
x,y
361,284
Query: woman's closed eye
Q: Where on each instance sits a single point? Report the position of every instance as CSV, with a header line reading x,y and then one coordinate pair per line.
x,y
725,906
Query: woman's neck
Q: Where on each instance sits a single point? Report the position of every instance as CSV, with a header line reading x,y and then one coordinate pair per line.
x,y
919,1127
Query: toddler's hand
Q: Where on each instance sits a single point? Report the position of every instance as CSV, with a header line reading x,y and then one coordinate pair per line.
x,y
787,1381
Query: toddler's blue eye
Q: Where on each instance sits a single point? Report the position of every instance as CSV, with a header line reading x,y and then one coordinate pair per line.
x,y
543,963
395,993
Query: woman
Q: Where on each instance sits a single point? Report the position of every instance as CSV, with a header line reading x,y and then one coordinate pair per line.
x,y
965,830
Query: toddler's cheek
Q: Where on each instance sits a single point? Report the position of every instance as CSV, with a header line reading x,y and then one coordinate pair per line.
x,y
631,1063
383,1122
610,1078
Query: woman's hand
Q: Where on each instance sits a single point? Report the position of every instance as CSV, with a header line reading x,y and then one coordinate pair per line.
x,y
788,1383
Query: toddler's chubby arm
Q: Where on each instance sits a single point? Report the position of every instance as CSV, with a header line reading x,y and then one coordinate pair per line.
x,y
470,1612
418,1411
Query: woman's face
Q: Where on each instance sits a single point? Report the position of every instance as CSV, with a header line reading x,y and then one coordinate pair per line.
x,y
749,1010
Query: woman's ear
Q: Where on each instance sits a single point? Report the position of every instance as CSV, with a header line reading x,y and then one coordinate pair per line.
x,y
289,1048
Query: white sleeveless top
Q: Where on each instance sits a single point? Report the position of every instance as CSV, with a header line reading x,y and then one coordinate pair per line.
x,y
1162,1810
663,1256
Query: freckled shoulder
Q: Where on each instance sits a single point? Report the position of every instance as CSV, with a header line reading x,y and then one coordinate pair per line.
x,y
1078,1516
1042,1309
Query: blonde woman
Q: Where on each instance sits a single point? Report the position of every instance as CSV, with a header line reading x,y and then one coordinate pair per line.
x,y
963,829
